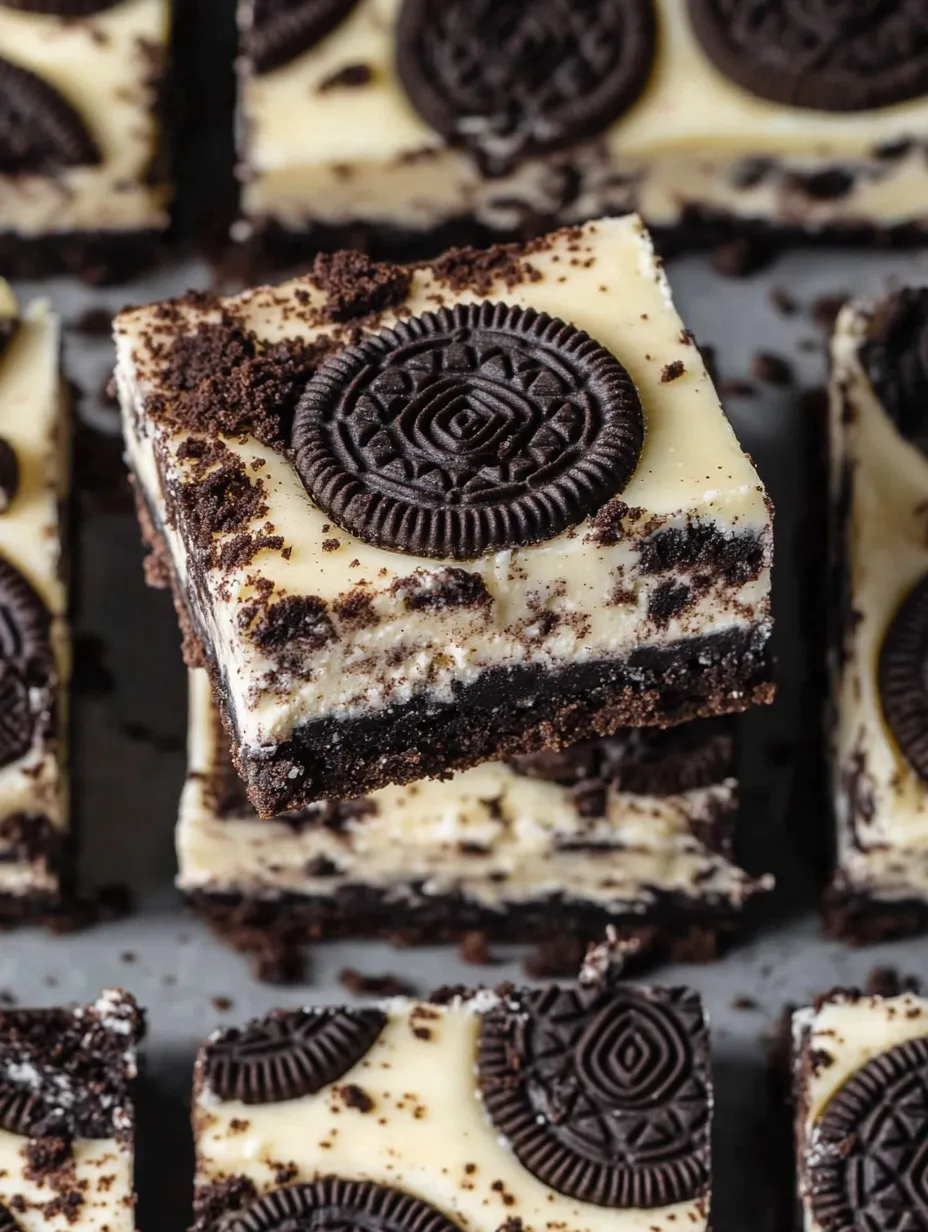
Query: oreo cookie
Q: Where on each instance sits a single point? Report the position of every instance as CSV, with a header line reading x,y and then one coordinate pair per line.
x,y
68,9
903,677
23,1111
333,1204
467,430
508,79
289,1053
26,661
281,30
603,1094
895,358
844,55
40,132
868,1168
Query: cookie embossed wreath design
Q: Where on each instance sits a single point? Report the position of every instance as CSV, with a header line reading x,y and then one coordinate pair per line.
x,y
467,430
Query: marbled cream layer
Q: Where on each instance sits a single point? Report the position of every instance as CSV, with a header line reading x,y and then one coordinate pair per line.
x,y
879,489
34,421
425,1131
362,153
108,67
571,599
832,1043
489,835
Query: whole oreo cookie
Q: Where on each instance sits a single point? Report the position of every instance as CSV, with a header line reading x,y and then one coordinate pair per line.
x,y
26,660
903,677
603,1094
61,8
281,30
289,1053
869,1165
39,130
508,79
336,1205
467,430
843,55
895,358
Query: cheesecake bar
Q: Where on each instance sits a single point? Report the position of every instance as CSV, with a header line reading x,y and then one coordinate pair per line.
x,y
634,829
34,639
861,1100
407,121
418,518
878,730
83,173
585,1106
67,1117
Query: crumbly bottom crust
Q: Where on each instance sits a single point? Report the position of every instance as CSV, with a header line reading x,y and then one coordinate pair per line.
x,y
275,932
857,919
96,257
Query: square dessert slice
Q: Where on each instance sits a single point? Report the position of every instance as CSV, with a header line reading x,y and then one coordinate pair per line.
x,y
83,176
67,1117
418,518
879,704
861,1099
407,121
635,830
566,1107
34,639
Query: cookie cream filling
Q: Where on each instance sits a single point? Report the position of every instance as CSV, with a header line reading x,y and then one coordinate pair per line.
x,y
834,1044
489,835
693,139
879,484
108,68
34,425
582,596
410,1114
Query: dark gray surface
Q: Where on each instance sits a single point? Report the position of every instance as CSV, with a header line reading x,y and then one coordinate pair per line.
x,y
130,768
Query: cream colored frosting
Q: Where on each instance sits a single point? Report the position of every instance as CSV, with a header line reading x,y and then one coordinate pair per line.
x,y
606,280
425,1131
886,552
363,153
102,66
34,420
842,1035
491,835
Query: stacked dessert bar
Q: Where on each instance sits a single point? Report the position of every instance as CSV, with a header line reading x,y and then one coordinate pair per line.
x,y
420,120
421,519
879,705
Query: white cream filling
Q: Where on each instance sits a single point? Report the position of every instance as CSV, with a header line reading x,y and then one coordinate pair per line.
x,y
364,154
420,841
844,1035
34,420
692,467
426,1133
886,551
101,67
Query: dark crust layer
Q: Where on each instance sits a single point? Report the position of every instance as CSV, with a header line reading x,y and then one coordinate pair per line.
x,y
275,931
20,909
699,677
273,247
96,257
857,919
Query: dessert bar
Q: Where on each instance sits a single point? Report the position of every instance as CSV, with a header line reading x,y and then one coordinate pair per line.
x,y
418,518
34,640
566,1107
67,1117
411,123
879,704
83,173
635,829
861,1098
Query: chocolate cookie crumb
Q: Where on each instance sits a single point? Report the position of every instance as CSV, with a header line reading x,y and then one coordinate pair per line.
x,y
672,372
355,286
771,369
356,1097
740,257
351,76
474,949
387,985
559,958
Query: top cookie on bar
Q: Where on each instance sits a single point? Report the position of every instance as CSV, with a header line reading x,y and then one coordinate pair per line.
x,y
417,518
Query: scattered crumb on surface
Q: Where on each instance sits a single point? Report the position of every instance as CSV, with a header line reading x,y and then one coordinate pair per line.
x,y
771,369
559,958
386,985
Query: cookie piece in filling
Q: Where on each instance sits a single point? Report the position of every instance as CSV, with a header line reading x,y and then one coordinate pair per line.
x,y
418,518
